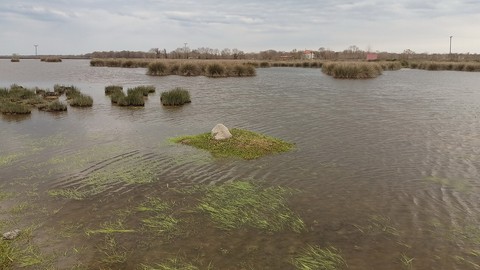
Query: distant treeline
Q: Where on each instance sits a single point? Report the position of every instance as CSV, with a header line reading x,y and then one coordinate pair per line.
x,y
351,53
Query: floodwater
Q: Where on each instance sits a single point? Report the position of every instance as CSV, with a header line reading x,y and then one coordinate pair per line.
x,y
387,169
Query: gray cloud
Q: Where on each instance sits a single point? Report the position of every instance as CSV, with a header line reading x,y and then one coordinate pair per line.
x,y
64,27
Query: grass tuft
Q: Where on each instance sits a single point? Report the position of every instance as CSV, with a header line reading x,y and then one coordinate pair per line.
x,y
243,203
55,106
81,100
175,97
111,89
352,70
243,143
14,108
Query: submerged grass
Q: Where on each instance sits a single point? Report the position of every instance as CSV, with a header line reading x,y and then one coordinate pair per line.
x,y
110,228
112,253
460,185
243,143
172,264
316,258
160,219
243,203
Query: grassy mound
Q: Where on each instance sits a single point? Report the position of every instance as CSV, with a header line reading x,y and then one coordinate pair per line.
x,y
51,59
110,89
243,143
7,107
134,98
81,100
142,89
243,203
352,70
175,97
55,106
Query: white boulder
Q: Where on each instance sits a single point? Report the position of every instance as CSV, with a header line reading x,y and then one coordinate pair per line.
x,y
221,132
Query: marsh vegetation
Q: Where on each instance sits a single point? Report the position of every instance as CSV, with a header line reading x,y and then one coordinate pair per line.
x,y
134,97
243,144
175,97
352,70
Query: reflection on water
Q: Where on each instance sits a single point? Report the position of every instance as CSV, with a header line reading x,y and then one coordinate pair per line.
x,y
386,169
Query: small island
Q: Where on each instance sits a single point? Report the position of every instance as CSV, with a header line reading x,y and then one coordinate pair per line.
x,y
243,143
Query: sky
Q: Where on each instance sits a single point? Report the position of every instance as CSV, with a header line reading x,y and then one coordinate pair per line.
x,y
83,26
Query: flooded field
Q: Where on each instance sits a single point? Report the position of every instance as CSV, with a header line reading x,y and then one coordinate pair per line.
x,y
384,173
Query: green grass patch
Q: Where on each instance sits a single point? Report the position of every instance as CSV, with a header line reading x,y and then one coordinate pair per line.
x,y
243,143
316,258
244,203
175,97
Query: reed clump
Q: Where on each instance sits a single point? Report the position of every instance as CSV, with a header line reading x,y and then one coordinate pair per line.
x,y
51,59
455,66
120,62
213,69
143,89
175,97
157,69
54,106
352,70
81,100
134,97
78,99
111,89
7,107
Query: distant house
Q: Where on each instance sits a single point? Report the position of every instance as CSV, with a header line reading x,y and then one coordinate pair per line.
x,y
372,57
307,54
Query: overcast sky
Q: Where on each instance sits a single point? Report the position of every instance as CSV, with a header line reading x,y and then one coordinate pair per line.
x,y
82,26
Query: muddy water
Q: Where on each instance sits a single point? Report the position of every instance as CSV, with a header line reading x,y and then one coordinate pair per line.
x,y
385,169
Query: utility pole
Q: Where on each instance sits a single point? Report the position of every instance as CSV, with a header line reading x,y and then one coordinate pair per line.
x,y
185,50
36,45
451,44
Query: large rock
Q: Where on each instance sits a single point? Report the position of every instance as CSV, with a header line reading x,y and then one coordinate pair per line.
x,y
221,132
11,235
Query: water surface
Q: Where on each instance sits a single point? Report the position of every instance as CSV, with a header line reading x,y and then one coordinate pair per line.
x,y
385,168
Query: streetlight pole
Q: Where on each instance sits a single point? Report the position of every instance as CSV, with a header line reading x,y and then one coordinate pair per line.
x,y
35,49
185,50
451,44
